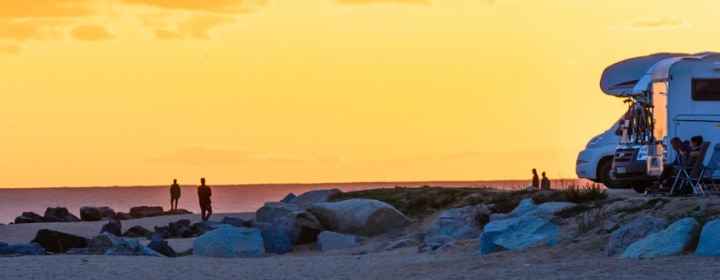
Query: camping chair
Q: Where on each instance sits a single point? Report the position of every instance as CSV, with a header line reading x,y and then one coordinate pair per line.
x,y
708,178
692,176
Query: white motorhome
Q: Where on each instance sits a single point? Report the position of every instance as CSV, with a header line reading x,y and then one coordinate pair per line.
x,y
679,96
595,161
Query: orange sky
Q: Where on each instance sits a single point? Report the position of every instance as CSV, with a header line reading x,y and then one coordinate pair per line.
x,y
138,92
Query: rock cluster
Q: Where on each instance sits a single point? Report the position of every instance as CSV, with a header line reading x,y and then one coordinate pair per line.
x,y
94,213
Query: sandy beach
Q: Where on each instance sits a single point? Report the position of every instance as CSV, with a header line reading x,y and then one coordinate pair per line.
x,y
569,260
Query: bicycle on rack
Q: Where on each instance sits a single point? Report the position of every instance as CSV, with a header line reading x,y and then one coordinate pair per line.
x,y
639,122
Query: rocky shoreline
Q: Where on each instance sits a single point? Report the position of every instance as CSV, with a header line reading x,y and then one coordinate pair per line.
x,y
621,229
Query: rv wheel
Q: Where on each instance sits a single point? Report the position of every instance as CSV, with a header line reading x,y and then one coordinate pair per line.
x,y
608,178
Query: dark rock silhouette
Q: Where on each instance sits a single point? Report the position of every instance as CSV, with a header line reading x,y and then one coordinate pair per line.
x,y
93,213
137,231
58,242
162,247
29,217
113,227
146,211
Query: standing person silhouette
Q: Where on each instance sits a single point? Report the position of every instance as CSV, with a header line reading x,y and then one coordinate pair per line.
x,y
174,195
535,179
204,194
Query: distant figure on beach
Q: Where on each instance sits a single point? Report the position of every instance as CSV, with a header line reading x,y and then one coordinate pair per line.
x,y
535,179
545,183
204,194
174,195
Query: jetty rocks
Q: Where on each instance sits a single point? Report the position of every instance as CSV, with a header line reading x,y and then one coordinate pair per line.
x,y
94,213
329,220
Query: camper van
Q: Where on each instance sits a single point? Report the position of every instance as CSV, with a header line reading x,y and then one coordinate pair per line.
x,y
670,95
595,161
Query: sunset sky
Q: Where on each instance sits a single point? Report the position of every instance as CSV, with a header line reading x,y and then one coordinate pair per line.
x,y
138,92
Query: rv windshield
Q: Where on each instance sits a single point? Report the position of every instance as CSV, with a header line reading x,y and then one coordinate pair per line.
x,y
659,99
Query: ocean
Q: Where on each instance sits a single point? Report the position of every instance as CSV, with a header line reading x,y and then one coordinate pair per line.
x,y
226,198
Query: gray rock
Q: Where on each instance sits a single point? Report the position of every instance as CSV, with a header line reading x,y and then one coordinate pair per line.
x,y
670,241
709,245
55,214
162,247
276,242
515,233
328,240
95,213
365,217
300,225
458,223
112,226
29,217
306,199
230,242
638,229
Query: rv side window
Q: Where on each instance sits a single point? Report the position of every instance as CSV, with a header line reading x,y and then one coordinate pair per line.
x,y
706,89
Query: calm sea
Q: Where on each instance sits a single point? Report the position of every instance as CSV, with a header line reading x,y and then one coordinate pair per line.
x,y
226,199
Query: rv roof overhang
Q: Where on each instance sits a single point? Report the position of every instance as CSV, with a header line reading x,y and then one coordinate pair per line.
x,y
632,85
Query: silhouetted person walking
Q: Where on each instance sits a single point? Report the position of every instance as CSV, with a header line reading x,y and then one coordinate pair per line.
x,y
535,179
204,194
174,195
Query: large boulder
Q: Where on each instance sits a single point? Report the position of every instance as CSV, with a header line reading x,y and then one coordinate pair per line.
x,y
300,226
276,241
328,240
306,199
670,241
21,249
630,233
459,223
58,242
146,211
94,213
515,233
56,214
365,217
230,242
29,217
709,245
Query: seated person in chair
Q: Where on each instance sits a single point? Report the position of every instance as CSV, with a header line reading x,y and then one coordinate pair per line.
x,y
687,154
